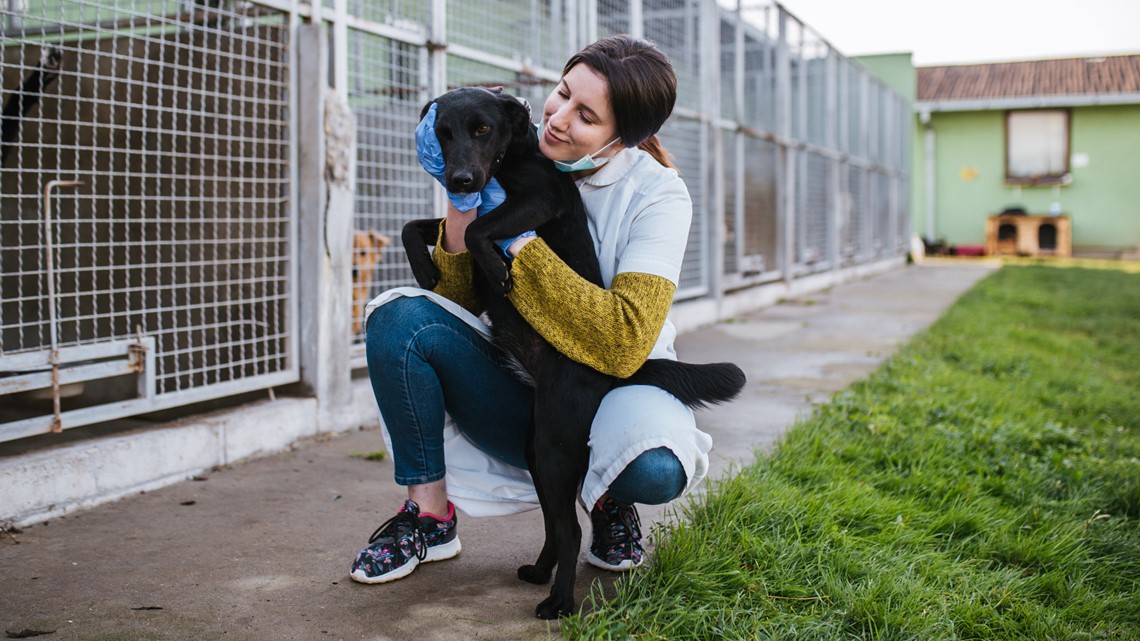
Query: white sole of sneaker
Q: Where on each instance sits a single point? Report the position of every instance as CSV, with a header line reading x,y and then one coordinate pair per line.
x,y
443,552
399,573
624,566
435,553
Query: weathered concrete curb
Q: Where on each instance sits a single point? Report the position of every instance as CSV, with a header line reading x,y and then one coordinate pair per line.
x,y
56,481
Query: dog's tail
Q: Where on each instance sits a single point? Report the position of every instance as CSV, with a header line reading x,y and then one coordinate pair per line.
x,y
694,385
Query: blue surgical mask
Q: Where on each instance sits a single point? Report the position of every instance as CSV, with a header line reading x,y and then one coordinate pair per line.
x,y
585,163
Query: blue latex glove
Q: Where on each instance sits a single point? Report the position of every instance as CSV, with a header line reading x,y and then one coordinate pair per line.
x,y
493,195
431,159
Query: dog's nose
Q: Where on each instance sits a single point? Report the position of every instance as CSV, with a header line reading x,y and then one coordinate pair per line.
x,y
461,181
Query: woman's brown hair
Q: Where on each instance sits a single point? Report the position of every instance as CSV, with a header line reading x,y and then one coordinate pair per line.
x,y
642,86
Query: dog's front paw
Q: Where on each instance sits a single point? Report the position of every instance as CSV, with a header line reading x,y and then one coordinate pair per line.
x,y
554,607
534,574
506,284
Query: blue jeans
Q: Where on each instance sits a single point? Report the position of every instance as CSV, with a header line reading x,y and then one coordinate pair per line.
x,y
423,362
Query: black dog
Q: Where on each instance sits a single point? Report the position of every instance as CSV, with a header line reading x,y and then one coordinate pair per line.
x,y
484,134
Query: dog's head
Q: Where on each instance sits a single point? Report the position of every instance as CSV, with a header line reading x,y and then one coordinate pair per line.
x,y
476,129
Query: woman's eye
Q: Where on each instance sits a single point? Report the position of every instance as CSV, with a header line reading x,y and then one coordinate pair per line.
x,y
582,116
482,129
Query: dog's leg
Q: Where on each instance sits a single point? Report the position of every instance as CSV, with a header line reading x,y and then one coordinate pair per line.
x,y
487,256
417,236
540,572
562,454
515,216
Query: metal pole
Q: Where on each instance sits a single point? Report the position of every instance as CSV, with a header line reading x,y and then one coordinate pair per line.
x,y
53,331
15,16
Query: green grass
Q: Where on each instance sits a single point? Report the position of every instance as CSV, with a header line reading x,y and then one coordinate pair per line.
x,y
378,455
984,483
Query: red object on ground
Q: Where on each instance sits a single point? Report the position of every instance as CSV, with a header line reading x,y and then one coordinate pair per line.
x,y
970,250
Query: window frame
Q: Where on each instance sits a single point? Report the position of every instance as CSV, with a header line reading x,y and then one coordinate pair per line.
x,y
1044,179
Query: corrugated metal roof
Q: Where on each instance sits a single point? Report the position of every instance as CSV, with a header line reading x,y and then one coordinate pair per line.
x,y
1062,77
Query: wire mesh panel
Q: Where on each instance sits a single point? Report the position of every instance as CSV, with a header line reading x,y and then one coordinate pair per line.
x,y
874,149
529,30
389,86
759,71
673,26
854,143
464,72
613,17
174,119
386,92
812,220
684,139
761,203
407,14
882,235
902,214
794,48
853,214
816,54
728,67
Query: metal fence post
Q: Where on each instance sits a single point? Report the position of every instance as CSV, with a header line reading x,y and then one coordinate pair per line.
x,y
738,115
835,164
326,138
437,77
708,46
786,175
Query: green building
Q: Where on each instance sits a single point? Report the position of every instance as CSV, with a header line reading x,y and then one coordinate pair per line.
x,y
1045,136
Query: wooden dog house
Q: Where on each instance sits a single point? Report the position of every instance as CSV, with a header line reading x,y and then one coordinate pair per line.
x,y
1025,235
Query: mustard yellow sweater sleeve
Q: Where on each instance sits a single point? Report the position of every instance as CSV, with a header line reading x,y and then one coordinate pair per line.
x,y
611,330
455,276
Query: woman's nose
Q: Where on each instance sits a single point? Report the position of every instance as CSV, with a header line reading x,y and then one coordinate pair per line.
x,y
557,121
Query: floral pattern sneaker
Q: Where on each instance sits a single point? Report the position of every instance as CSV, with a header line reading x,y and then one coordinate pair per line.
x,y
404,541
616,545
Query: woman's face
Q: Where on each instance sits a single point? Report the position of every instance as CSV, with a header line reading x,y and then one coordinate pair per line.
x,y
577,119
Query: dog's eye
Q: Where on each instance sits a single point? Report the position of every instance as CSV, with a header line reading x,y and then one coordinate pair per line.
x,y
482,129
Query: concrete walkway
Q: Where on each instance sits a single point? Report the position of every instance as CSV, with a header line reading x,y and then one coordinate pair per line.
x,y
261,550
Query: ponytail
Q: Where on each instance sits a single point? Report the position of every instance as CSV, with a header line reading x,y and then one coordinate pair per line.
x,y
653,147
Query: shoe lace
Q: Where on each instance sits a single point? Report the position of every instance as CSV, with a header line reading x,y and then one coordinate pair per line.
x,y
403,520
624,524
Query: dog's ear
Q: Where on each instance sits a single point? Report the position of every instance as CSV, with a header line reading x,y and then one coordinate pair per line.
x,y
423,112
518,113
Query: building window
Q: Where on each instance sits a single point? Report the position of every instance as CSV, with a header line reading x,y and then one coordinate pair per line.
x,y
1037,146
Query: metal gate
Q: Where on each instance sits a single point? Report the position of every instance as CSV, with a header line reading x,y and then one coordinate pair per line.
x,y
146,216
